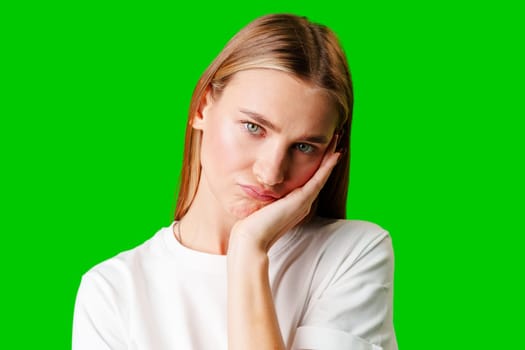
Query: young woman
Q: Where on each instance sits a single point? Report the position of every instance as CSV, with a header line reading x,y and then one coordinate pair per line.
x,y
259,255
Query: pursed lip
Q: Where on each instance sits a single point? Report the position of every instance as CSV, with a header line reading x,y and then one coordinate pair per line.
x,y
259,193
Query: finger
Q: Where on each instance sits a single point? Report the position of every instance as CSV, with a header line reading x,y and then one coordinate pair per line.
x,y
333,143
318,180
329,161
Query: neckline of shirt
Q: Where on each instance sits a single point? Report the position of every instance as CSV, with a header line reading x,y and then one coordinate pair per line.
x,y
214,263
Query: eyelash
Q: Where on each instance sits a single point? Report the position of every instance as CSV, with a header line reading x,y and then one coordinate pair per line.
x,y
259,131
311,148
248,124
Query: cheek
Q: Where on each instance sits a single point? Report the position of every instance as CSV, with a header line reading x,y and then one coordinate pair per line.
x,y
221,149
301,173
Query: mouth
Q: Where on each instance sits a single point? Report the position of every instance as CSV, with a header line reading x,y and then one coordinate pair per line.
x,y
260,194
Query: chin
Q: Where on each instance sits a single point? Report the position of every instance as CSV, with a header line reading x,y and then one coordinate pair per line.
x,y
245,210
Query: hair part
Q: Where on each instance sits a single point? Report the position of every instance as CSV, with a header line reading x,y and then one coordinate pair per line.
x,y
294,45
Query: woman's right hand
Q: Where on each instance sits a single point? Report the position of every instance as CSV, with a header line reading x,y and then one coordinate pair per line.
x,y
265,226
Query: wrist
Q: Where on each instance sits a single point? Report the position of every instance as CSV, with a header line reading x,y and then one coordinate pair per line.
x,y
244,253
241,242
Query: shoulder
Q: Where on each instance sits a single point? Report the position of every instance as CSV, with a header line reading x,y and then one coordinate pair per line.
x,y
348,228
349,239
109,291
351,286
343,251
118,271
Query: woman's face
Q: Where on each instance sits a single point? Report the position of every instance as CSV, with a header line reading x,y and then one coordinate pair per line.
x,y
264,136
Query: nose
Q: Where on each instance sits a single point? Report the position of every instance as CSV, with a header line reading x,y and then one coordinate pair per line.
x,y
270,167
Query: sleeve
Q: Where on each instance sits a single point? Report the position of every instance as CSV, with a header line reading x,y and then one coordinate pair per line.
x,y
97,320
355,309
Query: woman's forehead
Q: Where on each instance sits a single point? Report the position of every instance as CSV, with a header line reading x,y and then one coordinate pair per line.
x,y
280,97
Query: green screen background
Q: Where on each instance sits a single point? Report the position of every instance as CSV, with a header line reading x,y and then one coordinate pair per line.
x,y
93,109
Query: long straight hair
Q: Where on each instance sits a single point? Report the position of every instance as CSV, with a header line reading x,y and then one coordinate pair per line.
x,y
294,45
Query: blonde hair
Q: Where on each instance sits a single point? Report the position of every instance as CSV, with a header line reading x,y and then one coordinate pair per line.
x,y
291,44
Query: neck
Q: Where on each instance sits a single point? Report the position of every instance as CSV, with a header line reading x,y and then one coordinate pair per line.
x,y
206,226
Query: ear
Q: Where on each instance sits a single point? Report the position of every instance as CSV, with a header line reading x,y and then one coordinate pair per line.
x,y
201,115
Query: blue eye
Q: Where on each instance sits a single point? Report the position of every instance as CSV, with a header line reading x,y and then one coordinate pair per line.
x,y
304,147
252,128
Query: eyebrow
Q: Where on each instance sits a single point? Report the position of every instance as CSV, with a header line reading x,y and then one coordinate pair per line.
x,y
268,124
261,120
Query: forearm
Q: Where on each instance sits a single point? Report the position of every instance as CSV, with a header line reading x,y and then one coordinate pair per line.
x,y
252,320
